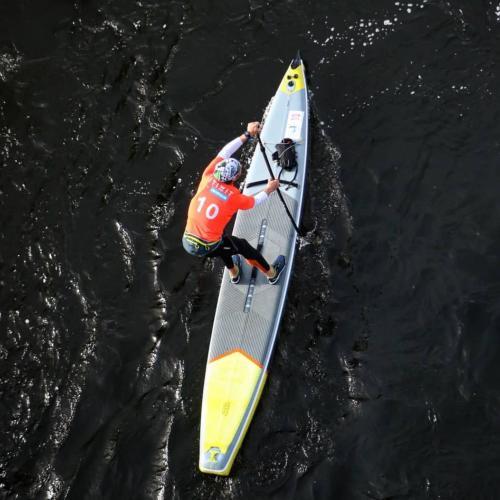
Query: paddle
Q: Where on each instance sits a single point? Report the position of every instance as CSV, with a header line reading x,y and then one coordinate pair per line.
x,y
263,150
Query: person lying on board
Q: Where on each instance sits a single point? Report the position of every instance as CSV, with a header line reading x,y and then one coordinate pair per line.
x,y
213,206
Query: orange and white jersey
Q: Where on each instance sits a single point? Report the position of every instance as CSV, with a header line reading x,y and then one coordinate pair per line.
x,y
214,204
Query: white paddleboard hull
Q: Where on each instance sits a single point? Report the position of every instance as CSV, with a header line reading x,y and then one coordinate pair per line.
x,y
248,314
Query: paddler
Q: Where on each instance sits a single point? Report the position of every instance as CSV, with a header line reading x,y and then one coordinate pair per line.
x,y
213,206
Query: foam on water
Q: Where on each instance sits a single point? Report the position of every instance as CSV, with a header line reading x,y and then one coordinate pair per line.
x,y
362,33
10,62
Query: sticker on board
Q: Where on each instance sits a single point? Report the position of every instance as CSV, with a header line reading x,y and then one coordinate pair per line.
x,y
294,125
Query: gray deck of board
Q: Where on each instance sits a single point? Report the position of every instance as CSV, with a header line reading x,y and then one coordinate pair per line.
x,y
250,331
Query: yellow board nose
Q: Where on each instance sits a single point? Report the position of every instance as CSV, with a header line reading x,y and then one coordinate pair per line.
x,y
293,81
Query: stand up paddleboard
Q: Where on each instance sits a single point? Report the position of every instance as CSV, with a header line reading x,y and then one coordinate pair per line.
x,y
248,314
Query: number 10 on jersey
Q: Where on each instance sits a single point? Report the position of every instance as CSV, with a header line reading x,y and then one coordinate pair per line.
x,y
211,211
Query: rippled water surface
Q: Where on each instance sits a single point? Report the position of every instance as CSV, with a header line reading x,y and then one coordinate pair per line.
x,y
385,379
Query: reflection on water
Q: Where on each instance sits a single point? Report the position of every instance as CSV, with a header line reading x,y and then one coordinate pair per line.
x,y
384,381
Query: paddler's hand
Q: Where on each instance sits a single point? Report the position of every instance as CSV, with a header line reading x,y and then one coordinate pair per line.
x,y
253,128
272,185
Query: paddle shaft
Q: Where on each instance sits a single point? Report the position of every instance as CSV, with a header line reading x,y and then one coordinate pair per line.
x,y
263,150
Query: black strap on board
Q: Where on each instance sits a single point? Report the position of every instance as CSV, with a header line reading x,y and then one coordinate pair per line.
x,y
263,150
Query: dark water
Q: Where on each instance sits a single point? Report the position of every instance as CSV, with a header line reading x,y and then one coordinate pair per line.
x,y
385,382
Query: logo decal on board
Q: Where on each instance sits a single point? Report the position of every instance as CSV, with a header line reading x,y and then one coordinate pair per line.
x,y
294,125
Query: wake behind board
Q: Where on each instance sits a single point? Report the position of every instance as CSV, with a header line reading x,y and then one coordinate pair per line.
x,y
248,314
